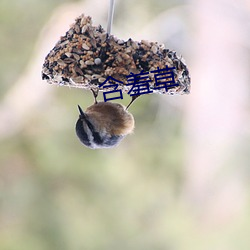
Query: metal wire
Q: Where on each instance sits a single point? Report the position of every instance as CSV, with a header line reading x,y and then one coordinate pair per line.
x,y
110,15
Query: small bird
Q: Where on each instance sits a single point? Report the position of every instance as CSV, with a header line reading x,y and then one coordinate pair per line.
x,y
104,124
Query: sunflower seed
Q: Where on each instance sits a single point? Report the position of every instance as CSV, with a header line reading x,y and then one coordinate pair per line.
x,y
78,70
77,57
85,46
154,49
69,60
61,62
88,62
68,54
77,29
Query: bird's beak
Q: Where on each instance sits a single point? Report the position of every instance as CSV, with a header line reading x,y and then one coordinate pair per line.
x,y
82,115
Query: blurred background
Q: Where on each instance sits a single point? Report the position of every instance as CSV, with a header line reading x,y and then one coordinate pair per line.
x,y
180,182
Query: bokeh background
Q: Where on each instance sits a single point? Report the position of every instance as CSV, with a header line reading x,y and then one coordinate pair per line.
x,y
180,182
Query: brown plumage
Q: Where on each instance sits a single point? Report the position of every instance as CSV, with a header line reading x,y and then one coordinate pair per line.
x,y
104,124
111,117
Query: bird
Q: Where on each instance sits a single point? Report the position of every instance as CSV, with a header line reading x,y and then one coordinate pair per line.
x,y
103,124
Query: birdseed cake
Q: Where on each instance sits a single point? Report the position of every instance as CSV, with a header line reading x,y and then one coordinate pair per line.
x,y
87,55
